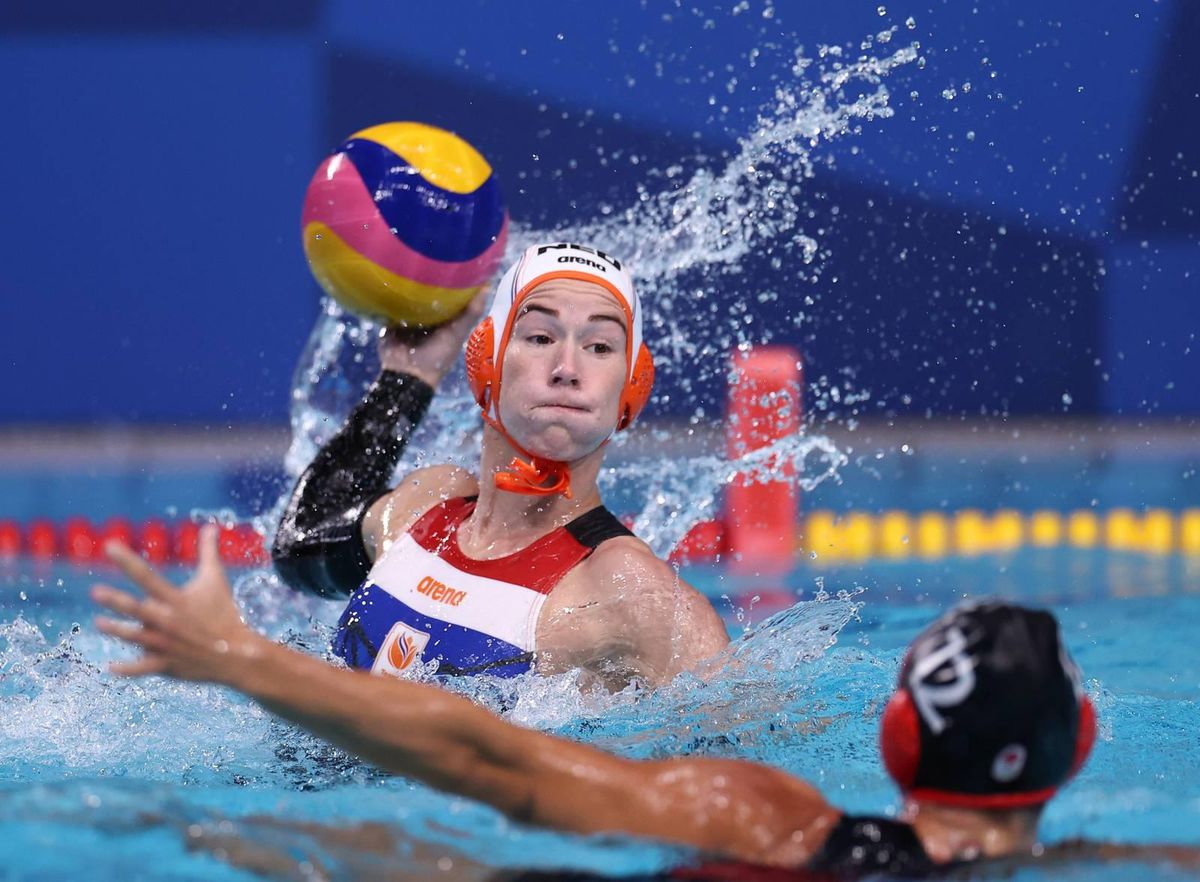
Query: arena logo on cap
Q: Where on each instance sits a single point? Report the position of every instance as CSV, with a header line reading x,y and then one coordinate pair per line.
x,y
931,697
571,258
616,264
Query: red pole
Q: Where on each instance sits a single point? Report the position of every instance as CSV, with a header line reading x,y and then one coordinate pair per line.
x,y
765,404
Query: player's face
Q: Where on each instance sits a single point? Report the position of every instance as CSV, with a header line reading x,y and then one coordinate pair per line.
x,y
564,368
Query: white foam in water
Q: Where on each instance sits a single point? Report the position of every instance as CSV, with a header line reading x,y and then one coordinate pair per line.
x,y
760,664
62,712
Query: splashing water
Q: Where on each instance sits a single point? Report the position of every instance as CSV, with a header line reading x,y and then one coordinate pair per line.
x,y
758,197
681,492
62,711
197,765
801,691
680,242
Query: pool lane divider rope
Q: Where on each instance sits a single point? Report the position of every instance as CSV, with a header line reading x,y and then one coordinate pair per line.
x,y
820,538
79,541
826,537
761,527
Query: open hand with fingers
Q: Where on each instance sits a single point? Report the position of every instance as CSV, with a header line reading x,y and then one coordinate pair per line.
x,y
194,632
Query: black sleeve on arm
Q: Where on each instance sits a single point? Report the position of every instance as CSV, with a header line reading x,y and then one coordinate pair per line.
x,y
319,545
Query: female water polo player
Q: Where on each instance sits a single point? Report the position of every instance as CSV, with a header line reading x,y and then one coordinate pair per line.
x,y
522,567
987,722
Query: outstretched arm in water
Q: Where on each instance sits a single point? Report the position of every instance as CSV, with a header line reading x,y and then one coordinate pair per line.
x,y
730,808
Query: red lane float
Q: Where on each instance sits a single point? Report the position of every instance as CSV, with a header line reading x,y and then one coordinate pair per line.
x,y
154,541
185,544
41,540
10,539
120,529
78,541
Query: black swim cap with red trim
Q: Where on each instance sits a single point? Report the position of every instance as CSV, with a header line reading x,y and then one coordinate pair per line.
x,y
989,711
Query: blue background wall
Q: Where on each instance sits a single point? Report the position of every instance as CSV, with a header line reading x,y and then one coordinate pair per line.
x,y
1027,246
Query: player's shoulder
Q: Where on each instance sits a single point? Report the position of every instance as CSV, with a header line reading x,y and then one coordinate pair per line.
x,y
626,561
624,549
626,557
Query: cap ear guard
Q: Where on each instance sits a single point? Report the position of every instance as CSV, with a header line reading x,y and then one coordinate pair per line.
x,y
637,391
900,739
481,363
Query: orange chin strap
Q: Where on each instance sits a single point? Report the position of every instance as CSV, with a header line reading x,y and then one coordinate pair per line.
x,y
530,477
537,477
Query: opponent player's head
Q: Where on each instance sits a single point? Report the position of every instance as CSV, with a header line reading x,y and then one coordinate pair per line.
x,y
558,365
989,712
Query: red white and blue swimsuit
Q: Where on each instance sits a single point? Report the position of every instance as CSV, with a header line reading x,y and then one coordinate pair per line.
x,y
424,599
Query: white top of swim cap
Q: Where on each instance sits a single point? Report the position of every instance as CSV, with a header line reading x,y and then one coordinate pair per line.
x,y
562,260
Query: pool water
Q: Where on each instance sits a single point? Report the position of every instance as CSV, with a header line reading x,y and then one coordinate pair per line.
x,y
146,779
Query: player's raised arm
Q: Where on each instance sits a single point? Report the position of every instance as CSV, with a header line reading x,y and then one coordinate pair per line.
x,y
326,538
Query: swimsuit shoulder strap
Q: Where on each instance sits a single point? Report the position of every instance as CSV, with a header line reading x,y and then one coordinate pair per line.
x,y
433,529
596,526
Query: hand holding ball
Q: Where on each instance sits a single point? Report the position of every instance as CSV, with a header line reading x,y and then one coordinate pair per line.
x,y
404,223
